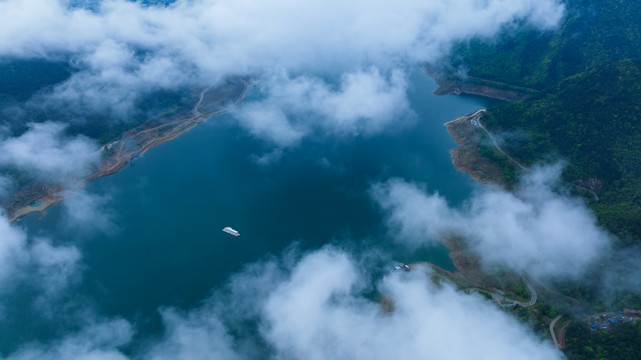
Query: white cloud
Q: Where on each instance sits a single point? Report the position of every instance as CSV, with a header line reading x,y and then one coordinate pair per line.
x,y
35,262
318,313
122,49
416,217
56,266
622,275
99,341
364,102
88,211
270,123
242,34
534,231
268,158
199,336
315,308
12,248
46,151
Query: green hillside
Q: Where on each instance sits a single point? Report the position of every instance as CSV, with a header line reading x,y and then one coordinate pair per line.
x,y
586,110
582,344
593,33
593,121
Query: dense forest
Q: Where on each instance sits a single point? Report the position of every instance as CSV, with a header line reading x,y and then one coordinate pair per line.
x,y
583,83
621,343
593,121
593,33
586,110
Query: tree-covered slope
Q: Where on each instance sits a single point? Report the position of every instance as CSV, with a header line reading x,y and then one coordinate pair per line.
x,y
622,344
584,107
592,33
593,121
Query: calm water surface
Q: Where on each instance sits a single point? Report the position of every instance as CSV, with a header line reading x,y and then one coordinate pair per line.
x,y
170,206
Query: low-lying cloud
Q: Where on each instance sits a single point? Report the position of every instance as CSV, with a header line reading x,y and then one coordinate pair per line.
x,y
325,68
364,102
35,261
316,309
47,152
88,211
622,275
97,341
535,230
121,50
5,186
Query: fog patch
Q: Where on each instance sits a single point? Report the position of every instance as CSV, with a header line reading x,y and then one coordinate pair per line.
x,y
47,152
37,267
88,211
6,184
313,306
98,341
622,275
268,158
316,309
535,230
364,102
122,50
12,249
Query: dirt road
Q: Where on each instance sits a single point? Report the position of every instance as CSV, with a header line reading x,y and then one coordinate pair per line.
x,y
554,339
476,121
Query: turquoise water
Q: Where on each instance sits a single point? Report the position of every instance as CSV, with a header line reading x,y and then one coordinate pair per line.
x,y
169,208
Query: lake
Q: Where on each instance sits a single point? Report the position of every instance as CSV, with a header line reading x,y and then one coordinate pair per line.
x,y
169,208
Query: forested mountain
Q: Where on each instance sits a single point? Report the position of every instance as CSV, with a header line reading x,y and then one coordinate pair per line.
x,y
593,33
586,110
593,121
584,107
583,344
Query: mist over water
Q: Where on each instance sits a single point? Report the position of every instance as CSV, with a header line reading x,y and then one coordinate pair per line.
x,y
164,245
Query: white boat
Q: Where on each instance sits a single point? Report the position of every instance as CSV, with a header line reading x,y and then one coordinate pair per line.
x,y
231,231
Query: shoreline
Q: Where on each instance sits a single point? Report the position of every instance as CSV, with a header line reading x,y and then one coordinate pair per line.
x,y
467,156
457,87
450,82
131,144
45,202
137,141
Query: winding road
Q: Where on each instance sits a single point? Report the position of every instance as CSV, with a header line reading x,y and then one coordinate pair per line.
x,y
554,339
475,120
534,296
196,110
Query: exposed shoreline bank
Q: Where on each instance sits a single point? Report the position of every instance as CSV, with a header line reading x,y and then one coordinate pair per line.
x,y
132,144
458,87
467,156
453,83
